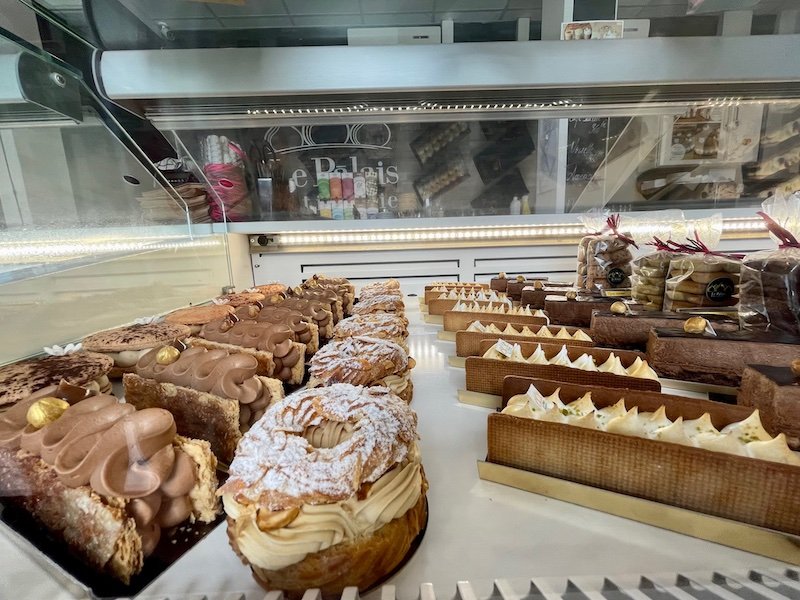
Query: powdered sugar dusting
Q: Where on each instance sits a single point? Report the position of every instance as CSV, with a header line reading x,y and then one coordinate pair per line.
x,y
374,325
379,303
359,360
278,468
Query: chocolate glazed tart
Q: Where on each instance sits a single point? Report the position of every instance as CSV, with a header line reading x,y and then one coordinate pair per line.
x,y
631,330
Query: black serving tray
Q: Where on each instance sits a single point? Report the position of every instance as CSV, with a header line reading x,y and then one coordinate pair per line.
x,y
54,556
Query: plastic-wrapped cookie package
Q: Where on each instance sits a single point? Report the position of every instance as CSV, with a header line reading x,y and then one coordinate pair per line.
x,y
770,280
609,258
648,282
703,278
594,220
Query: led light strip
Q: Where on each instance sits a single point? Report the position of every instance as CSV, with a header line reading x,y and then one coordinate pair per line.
x,y
38,251
464,234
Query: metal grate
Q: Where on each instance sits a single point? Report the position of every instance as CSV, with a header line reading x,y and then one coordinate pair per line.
x,y
754,584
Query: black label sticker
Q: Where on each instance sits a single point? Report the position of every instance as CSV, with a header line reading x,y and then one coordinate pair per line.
x,y
616,276
720,289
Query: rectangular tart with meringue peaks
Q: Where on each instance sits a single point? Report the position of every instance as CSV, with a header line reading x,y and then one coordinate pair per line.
x,y
327,491
104,478
305,332
272,344
213,394
363,360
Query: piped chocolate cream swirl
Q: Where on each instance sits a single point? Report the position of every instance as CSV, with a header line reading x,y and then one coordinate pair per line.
x,y
216,372
114,449
274,338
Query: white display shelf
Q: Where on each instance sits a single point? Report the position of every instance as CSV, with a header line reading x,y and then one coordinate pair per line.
x,y
477,531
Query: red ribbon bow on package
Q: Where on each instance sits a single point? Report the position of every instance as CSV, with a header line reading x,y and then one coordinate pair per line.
x,y
696,246
787,240
660,245
612,223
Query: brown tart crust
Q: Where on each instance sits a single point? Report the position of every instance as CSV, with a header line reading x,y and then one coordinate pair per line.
x,y
361,563
242,298
135,337
199,315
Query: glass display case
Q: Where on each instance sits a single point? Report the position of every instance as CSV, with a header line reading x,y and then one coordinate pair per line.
x,y
156,155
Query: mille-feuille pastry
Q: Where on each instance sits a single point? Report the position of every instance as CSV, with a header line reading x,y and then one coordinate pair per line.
x,y
19,380
102,477
238,299
271,344
126,345
379,288
342,286
327,491
194,317
363,360
384,326
381,303
213,395
304,332
314,312
271,289
326,296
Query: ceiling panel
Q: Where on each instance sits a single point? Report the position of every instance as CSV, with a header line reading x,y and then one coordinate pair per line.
x,y
260,8
328,21
392,6
322,7
398,19
525,4
477,16
477,5
178,9
260,22
193,24
534,14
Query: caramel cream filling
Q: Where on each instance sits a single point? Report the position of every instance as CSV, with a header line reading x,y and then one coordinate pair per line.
x,y
320,526
127,358
396,383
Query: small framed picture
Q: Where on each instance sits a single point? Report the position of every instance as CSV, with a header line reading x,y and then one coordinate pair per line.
x,y
592,30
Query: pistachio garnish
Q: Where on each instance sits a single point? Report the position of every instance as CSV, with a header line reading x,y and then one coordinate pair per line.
x,y
167,355
619,308
45,410
695,325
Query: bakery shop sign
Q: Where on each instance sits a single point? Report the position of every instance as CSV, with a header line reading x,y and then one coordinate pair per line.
x,y
720,289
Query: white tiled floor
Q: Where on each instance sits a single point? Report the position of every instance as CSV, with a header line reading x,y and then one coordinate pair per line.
x,y
477,530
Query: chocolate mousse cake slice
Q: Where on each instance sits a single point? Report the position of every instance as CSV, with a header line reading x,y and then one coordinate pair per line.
x,y
102,477
272,344
575,311
499,283
716,359
313,312
775,391
304,332
514,287
632,329
212,394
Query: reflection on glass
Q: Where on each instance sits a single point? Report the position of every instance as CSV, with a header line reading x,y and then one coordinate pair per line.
x,y
721,155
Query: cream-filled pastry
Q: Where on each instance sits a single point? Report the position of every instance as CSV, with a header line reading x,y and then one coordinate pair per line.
x,y
643,371
563,334
492,328
538,357
581,336
476,326
544,332
509,330
743,438
562,358
585,363
526,331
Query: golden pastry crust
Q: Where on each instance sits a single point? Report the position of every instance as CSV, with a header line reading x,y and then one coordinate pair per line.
x,y
359,360
381,303
379,325
241,298
361,563
199,315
